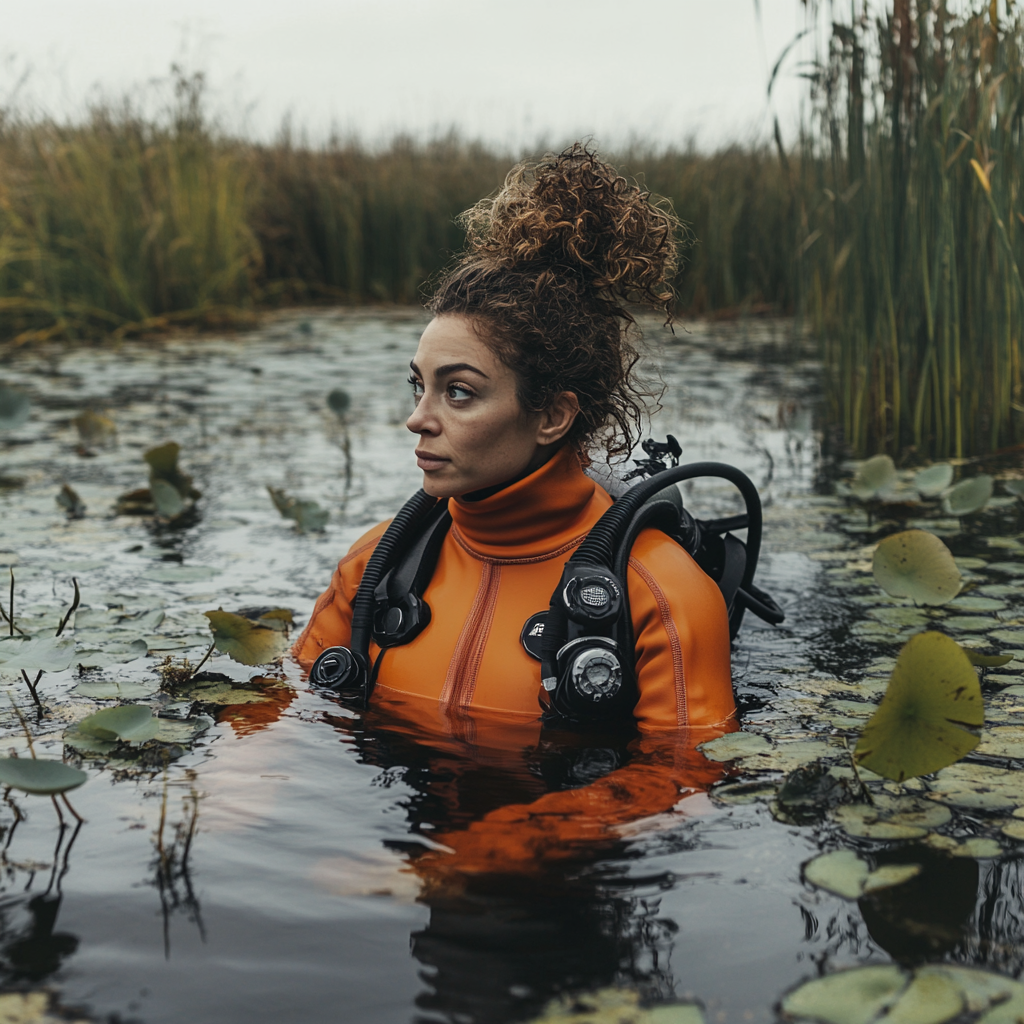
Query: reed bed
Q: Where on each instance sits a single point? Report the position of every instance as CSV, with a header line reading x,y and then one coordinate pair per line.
x,y
910,203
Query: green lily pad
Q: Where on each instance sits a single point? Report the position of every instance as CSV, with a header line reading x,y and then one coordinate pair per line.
x,y
847,997
243,640
978,787
110,690
890,616
866,822
844,873
111,654
83,743
1003,741
34,775
41,653
308,516
169,503
180,573
928,999
977,603
933,480
733,745
183,731
1008,568
1014,487
874,476
987,660
918,727
918,565
970,495
133,723
223,694
979,848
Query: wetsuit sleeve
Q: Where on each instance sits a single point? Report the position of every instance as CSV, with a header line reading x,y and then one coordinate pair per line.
x,y
330,625
520,838
681,628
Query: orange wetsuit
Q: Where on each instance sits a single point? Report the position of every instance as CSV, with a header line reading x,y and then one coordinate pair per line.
x,y
467,676
498,566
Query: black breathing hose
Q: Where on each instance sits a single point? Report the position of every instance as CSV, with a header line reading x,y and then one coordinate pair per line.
x,y
409,517
605,538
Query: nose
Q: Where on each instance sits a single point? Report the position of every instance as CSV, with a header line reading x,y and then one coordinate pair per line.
x,y
423,421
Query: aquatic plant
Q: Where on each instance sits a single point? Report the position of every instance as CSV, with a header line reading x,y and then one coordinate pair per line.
x,y
307,515
170,493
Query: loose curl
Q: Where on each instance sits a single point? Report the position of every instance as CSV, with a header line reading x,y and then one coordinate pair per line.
x,y
552,264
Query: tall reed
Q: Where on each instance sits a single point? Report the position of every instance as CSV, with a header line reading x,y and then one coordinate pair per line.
x,y
910,259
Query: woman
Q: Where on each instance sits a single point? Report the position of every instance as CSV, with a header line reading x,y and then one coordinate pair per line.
x,y
525,369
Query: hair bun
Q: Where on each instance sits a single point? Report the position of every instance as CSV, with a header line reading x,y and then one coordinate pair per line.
x,y
575,212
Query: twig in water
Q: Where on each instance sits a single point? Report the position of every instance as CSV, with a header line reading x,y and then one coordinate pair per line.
x,y
71,610
10,618
865,792
206,658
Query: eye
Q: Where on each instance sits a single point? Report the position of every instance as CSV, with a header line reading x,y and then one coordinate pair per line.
x,y
459,392
417,387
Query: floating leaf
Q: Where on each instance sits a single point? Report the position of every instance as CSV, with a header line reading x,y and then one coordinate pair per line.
x,y
733,745
1014,487
874,476
180,573
111,654
132,723
111,690
34,775
40,654
918,565
933,692
970,495
987,660
933,480
308,516
928,999
847,997
94,427
243,640
68,499
168,502
85,743
339,402
841,872
978,848
14,408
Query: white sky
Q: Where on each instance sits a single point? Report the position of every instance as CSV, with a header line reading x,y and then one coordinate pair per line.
x,y
507,72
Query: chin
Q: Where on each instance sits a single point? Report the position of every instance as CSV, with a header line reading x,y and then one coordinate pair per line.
x,y
440,488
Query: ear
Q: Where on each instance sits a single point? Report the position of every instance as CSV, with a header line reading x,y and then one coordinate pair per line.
x,y
557,419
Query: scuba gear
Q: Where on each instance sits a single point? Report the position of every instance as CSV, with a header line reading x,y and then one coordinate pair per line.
x,y
385,594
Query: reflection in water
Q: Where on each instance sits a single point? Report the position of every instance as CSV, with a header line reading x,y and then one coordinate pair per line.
x,y
521,859
172,876
31,949
927,917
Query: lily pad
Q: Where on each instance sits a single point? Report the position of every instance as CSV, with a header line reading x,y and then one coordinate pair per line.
x,y
94,428
111,690
733,745
979,787
69,500
933,480
844,873
918,565
978,847
14,408
169,503
847,997
84,743
180,573
243,640
163,465
873,476
928,999
34,775
42,653
970,495
111,654
1014,487
987,660
133,723
183,731
1003,741
308,516
918,728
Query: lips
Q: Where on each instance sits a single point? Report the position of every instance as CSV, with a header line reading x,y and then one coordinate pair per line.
x,y
428,461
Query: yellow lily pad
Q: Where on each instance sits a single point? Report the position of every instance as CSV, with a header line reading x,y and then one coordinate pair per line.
x,y
919,726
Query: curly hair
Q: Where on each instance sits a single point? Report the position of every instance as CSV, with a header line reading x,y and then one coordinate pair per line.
x,y
552,265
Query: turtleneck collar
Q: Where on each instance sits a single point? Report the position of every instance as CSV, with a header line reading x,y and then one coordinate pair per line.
x,y
534,516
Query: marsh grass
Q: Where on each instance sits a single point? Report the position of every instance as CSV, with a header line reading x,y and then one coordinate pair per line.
x,y
910,211
893,225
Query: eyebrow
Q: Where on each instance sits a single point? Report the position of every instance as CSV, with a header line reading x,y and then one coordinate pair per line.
x,y
448,368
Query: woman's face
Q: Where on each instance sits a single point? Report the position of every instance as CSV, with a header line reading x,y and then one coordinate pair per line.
x,y
473,433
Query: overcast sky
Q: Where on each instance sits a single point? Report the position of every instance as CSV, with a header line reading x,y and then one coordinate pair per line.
x,y
507,72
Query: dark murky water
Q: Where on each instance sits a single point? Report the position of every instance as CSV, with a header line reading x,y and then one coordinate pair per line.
x,y
296,900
